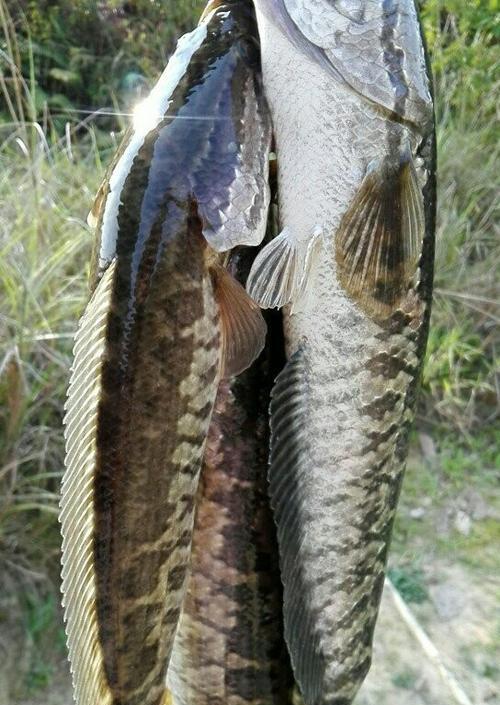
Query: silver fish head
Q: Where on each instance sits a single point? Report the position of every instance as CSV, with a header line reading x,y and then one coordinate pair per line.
x,y
375,47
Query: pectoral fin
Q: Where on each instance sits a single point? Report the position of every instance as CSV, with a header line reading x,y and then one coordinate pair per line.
x,y
279,273
243,328
379,241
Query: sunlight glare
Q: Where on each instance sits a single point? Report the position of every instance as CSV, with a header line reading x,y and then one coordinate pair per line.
x,y
145,116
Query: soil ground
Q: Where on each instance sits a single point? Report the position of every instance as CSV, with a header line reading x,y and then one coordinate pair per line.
x,y
458,618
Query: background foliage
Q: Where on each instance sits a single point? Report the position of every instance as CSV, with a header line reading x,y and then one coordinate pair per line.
x,y
70,70
88,53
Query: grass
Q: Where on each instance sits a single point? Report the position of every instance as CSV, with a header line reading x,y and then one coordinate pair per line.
x,y
410,583
50,171
479,550
405,680
45,637
461,376
462,480
90,54
43,266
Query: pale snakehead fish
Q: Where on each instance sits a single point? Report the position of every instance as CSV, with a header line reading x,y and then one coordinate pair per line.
x,y
349,93
164,324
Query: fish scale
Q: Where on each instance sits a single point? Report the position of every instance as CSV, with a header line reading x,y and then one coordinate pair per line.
x,y
349,484
165,323
229,647
342,407
143,520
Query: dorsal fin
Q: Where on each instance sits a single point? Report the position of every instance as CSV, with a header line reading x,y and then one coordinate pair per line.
x,y
77,512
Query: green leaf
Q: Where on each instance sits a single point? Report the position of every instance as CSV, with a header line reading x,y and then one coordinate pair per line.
x,y
64,76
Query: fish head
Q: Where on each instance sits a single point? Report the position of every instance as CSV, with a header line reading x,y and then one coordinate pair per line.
x,y
231,23
374,47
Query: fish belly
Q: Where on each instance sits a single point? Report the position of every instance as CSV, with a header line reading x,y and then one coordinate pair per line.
x,y
358,386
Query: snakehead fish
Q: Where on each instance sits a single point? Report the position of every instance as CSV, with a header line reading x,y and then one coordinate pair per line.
x,y
229,647
164,323
349,94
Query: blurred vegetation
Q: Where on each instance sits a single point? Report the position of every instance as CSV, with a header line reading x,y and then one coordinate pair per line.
x,y
460,382
70,70
87,54
410,583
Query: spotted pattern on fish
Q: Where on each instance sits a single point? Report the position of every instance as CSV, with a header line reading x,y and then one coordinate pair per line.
x,y
229,647
158,388
373,469
342,407
389,364
358,517
146,393
390,418
164,323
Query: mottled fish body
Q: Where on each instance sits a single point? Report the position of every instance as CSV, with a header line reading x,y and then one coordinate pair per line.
x,y
165,322
229,647
349,96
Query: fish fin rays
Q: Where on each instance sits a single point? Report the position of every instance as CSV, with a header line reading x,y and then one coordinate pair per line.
x,y
280,271
288,458
167,698
76,506
379,241
97,206
243,328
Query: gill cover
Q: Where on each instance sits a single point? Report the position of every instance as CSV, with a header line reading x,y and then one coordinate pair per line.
x,y
374,46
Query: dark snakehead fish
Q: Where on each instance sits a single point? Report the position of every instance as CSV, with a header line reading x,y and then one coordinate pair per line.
x,y
164,324
229,647
349,94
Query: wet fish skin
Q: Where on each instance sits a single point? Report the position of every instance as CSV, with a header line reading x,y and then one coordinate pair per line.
x,y
217,146
127,502
165,321
229,647
156,404
354,266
